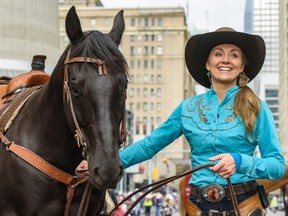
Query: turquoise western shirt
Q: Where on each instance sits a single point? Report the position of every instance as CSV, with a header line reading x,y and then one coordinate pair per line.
x,y
212,129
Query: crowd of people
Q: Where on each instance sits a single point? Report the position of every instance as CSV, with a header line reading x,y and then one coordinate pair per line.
x,y
154,204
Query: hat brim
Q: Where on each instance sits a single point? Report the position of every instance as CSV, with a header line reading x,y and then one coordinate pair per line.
x,y
198,48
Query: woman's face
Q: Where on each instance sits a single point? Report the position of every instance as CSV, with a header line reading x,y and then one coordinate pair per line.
x,y
225,62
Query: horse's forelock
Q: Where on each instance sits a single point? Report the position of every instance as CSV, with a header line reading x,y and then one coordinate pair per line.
x,y
101,46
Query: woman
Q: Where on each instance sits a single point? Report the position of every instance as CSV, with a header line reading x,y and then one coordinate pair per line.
x,y
223,126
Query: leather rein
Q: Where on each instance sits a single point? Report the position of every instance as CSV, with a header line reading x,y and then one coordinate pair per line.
x,y
155,185
36,161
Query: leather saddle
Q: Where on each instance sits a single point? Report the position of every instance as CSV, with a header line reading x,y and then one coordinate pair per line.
x,y
10,87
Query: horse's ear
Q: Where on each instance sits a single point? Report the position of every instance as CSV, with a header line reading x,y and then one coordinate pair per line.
x,y
73,26
118,27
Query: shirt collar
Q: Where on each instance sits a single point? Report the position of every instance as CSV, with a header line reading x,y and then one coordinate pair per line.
x,y
231,91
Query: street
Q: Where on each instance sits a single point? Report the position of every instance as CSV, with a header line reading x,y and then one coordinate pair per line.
x,y
278,213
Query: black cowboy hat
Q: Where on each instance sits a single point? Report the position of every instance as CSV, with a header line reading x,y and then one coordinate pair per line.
x,y
199,46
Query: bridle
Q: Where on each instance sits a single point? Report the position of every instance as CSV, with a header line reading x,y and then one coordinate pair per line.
x,y
68,103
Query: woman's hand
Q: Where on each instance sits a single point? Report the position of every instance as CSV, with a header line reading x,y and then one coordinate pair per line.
x,y
225,167
83,166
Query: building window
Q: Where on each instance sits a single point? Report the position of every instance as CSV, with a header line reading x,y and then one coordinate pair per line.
x,y
159,78
132,38
106,22
159,37
145,106
153,21
145,78
152,123
159,63
146,20
138,92
152,50
137,126
131,92
138,106
145,92
159,107
144,125
159,50
139,50
159,121
151,106
139,63
145,50
145,64
132,22
160,21
158,92
152,37
146,37
152,77
131,106
66,39
132,50
271,98
132,78
93,22
271,93
139,37
132,64
152,64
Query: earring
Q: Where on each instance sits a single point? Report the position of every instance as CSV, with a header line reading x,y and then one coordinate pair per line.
x,y
209,76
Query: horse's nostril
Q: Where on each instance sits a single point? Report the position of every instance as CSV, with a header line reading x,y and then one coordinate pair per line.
x,y
95,172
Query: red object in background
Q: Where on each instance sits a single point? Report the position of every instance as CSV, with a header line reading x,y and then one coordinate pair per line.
x,y
187,190
141,168
119,212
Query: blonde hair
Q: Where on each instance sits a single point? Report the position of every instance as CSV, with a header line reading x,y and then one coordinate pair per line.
x,y
247,104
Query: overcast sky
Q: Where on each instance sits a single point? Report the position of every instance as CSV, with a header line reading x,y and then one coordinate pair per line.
x,y
205,14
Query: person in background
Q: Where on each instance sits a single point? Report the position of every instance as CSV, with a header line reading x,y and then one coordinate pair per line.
x,y
223,125
158,202
147,204
274,204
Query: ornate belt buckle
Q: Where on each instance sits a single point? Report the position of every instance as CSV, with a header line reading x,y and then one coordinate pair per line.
x,y
213,193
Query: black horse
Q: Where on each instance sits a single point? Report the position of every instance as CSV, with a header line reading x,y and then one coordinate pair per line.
x,y
84,98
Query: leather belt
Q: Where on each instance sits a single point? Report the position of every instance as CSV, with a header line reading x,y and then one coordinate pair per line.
x,y
217,213
216,192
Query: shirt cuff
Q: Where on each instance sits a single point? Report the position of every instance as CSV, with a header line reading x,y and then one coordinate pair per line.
x,y
238,159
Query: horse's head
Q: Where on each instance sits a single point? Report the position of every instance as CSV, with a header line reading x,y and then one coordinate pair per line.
x,y
95,80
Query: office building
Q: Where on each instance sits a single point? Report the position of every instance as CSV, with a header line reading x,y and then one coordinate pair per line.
x,y
283,75
28,30
265,23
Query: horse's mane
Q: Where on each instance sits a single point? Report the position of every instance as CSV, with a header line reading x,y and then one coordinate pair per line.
x,y
101,46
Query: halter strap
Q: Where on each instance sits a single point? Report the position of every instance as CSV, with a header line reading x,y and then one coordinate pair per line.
x,y
68,103
101,64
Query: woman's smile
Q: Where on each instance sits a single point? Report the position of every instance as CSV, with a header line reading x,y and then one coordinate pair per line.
x,y
225,63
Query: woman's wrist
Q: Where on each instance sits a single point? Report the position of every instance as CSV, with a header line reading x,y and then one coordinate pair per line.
x,y
238,159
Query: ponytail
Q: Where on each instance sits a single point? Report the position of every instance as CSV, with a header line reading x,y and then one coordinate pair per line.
x,y
247,104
